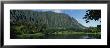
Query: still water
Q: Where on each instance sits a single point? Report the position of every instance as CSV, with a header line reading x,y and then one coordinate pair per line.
x,y
75,36
62,36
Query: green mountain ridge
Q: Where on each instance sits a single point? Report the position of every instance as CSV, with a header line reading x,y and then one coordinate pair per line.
x,y
51,19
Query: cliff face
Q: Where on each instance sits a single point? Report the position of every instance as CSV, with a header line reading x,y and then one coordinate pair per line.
x,y
51,19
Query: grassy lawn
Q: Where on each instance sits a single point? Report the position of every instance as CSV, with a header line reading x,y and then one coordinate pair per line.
x,y
36,35
40,35
66,32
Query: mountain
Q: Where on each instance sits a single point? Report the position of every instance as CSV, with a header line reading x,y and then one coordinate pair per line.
x,y
49,19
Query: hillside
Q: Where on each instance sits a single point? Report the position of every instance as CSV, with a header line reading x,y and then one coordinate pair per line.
x,y
51,19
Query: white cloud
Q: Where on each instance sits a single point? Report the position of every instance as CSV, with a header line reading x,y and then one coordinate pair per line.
x,y
45,10
57,11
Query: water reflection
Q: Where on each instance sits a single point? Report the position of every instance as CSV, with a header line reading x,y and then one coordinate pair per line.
x,y
75,36
61,36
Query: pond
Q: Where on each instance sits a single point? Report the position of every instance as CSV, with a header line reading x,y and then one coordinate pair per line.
x,y
71,36
61,36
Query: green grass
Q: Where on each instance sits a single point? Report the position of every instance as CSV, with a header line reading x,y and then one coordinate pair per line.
x,y
40,34
66,32
25,36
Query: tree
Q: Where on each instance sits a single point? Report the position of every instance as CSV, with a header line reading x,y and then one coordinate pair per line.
x,y
92,15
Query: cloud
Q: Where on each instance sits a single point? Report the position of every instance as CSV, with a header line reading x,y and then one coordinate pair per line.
x,y
57,11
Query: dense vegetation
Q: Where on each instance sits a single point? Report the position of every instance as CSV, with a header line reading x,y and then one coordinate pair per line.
x,y
25,23
92,15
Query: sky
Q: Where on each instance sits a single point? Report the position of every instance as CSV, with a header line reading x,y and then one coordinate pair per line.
x,y
77,14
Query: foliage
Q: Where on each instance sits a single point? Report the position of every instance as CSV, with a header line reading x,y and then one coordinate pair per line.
x,y
92,15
